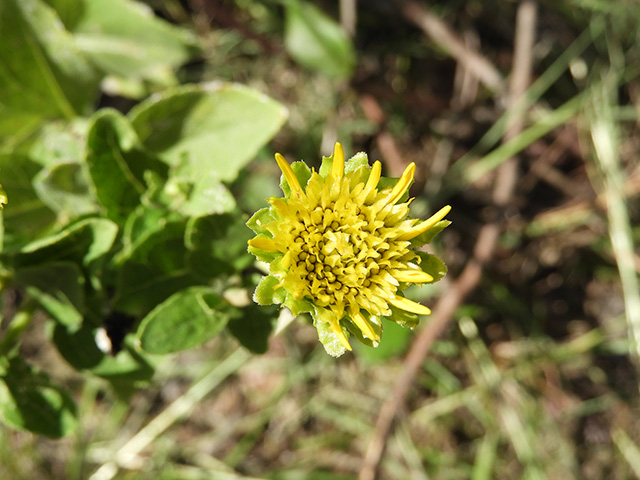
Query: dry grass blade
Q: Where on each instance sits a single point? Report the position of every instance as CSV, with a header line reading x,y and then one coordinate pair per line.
x,y
605,142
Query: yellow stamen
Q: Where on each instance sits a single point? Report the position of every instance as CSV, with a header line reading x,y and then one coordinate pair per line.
x,y
267,244
294,185
337,170
402,184
426,225
335,328
412,276
364,326
408,305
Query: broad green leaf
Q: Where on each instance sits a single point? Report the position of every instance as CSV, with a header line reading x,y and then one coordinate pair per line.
x,y
25,215
205,195
316,41
253,327
64,188
30,401
217,128
85,242
218,245
155,268
143,222
59,142
58,288
117,163
81,351
125,38
42,73
185,320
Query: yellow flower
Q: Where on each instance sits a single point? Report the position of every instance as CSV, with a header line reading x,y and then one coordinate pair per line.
x,y
341,246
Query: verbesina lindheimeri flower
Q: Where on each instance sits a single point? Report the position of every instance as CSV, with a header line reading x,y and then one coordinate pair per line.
x,y
342,247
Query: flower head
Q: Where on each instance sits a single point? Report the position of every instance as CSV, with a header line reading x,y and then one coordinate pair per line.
x,y
341,246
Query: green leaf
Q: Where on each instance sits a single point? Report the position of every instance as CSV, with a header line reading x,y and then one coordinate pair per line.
x,y
218,245
217,128
59,141
205,195
316,41
64,188
266,292
69,11
30,401
58,288
117,163
264,255
17,173
185,320
143,222
79,348
359,160
403,318
259,220
85,242
432,265
329,340
126,39
153,269
42,72
253,327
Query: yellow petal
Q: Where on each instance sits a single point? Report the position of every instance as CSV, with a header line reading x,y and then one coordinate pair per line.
x,y
403,184
267,244
335,328
294,185
372,181
364,326
426,225
409,306
338,162
412,276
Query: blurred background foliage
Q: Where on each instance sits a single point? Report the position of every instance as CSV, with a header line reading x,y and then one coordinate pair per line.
x,y
136,137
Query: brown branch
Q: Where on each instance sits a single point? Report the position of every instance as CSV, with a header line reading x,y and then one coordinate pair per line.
x,y
487,240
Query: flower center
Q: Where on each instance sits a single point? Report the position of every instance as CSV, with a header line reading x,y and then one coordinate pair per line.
x,y
341,258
